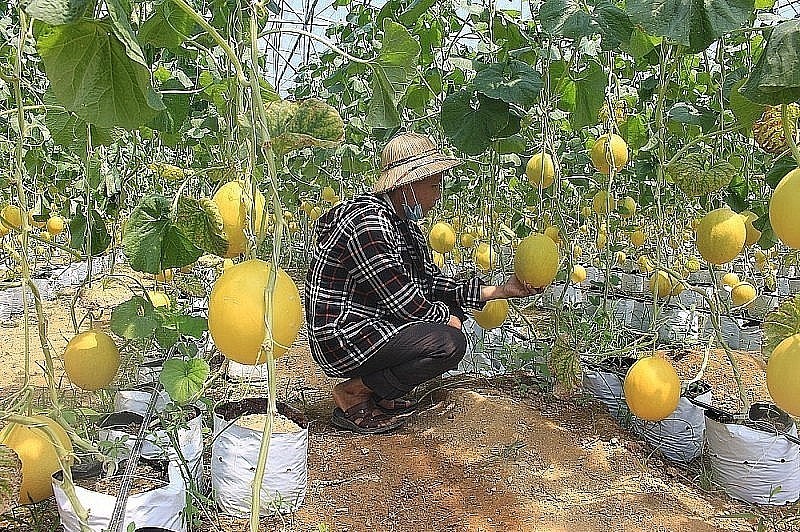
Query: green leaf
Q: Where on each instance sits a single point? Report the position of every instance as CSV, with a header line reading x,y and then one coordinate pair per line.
x,y
686,113
471,128
166,337
190,286
392,71
634,131
614,23
92,75
176,109
695,24
565,18
191,325
69,131
745,111
55,11
201,223
183,379
120,15
79,233
152,240
513,82
134,319
780,324
776,77
590,92
415,9
737,193
168,27
296,125
780,168
512,144
640,44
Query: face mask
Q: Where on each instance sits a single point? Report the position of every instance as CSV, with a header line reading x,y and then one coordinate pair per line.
x,y
413,213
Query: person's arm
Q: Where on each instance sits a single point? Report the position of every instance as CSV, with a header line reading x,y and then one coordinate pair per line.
x,y
510,289
375,263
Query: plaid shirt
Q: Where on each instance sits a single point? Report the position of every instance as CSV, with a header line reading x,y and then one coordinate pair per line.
x,y
371,274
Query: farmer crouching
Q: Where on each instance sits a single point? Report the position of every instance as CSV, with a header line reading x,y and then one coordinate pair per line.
x,y
379,312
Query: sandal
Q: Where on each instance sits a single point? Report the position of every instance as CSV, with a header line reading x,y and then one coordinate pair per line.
x,y
365,418
401,406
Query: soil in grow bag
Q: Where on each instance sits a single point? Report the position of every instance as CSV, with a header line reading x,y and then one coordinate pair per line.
x,y
149,475
252,413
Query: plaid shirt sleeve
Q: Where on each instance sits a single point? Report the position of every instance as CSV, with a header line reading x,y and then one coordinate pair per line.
x,y
376,264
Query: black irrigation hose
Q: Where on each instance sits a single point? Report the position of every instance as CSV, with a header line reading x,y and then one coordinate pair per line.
x,y
754,424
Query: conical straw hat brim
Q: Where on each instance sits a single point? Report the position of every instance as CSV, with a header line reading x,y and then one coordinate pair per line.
x,y
414,171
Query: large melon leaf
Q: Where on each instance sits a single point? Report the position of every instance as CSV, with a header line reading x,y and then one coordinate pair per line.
x,y
780,324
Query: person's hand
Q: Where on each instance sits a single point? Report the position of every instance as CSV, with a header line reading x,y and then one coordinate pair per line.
x,y
516,288
454,322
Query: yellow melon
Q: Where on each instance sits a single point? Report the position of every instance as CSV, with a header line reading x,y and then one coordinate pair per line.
x,y
617,155
783,375
38,456
233,208
540,169
536,260
494,313
442,237
652,388
91,360
721,235
784,209
237,308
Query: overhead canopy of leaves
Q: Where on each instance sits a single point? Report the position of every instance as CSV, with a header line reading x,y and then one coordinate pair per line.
x,y
295,125
92,74
154,241
71,132
685,113
55,11
694,24
776,77
472,125
184,379
513,82
392,72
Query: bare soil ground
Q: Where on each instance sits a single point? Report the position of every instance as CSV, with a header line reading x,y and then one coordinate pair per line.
x,y
499,454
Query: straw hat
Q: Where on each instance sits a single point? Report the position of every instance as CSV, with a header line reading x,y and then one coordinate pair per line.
x,y
410,157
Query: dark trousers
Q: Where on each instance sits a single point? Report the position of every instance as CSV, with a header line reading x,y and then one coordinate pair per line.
x,y
416,354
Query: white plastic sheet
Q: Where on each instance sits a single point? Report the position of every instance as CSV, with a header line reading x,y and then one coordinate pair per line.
x,y
607,388
234,457
753,465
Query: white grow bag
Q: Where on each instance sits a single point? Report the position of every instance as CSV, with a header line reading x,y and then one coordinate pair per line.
x,y
753,465
157,444
604,382
159,507
234,457
679,437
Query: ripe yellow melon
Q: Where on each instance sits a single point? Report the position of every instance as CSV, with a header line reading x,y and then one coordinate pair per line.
x,y
753,235
442,237
730,279
620,257
540,169
784,209
230,200
552,232
628,207
618,153
38,456
329,195
721,235
494,313
660,284
236,312
742,294
645,264
467,240
91,360
485,257
783,375
55,225
536,260
578,274
652,388
11,216
638,237
315,213
602,202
